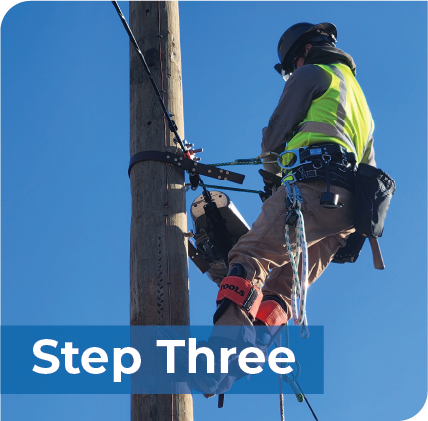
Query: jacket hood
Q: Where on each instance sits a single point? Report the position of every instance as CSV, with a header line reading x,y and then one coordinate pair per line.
x,y
325,54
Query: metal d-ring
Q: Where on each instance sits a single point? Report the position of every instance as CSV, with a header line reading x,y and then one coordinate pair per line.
x,y
315,167
325,156
296,164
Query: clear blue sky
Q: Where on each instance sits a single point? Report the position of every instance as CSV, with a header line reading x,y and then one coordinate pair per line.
x,y
66,197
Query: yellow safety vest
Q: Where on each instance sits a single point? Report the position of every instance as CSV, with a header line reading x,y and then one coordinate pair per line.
x,y
341,115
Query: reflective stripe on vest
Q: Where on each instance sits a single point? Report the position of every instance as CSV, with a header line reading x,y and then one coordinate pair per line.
x,y
340,115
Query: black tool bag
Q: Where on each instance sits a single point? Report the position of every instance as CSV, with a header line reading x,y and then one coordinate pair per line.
x,y
352,249
373,191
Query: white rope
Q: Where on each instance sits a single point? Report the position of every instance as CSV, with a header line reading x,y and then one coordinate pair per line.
x,y
281,395
300,285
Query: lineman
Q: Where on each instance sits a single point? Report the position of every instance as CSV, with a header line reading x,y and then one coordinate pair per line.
x,y
323,108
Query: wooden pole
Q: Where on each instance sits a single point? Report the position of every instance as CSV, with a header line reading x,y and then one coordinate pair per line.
x,y
159,278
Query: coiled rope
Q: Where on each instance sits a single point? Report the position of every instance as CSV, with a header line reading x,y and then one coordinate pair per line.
x,y
300,285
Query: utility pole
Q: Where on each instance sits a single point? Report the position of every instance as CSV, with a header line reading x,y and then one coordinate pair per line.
x,y
159,277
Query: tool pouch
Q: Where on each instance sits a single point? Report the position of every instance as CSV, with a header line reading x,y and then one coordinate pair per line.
x,y
373,191
350,252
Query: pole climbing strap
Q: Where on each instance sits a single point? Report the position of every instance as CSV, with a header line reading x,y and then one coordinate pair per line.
x,y
242,292
192,167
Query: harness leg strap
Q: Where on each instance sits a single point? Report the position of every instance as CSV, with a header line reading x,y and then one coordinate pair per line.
x,y
241,292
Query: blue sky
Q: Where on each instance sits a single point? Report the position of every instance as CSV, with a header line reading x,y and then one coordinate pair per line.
x,y
66,203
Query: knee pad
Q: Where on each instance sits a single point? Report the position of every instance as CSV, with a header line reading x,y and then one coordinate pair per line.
x,y
241,292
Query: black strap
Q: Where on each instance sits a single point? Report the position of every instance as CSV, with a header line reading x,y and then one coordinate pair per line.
x,y
338,175
189,165
276,179
280,301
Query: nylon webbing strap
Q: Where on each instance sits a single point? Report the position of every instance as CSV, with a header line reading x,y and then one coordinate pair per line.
x,y
342,178
189,165
241,292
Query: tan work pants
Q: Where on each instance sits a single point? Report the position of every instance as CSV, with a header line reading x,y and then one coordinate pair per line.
x,y
263,253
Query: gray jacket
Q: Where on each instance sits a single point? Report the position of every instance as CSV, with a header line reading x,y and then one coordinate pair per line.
x,y
304,85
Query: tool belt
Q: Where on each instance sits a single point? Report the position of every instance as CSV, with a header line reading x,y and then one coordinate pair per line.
x,y
323,162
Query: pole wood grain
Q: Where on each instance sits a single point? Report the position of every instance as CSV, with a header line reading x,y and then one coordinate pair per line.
x,y
158,260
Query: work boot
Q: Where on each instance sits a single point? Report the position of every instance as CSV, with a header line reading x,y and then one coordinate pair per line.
x,y
208,396
202,381
211,384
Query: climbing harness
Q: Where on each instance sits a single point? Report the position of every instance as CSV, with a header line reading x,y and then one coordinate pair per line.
x,y
305,164
328,162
